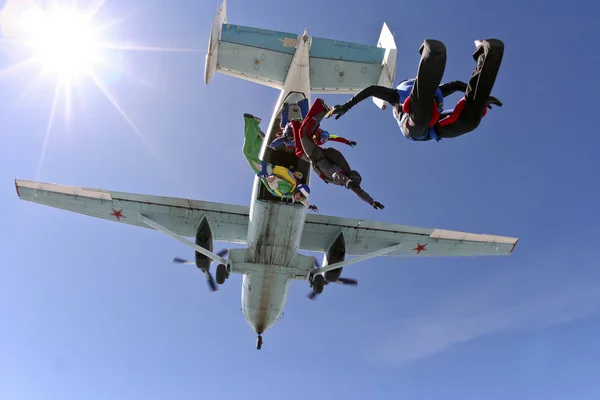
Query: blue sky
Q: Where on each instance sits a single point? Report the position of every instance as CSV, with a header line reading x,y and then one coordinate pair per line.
x,y
91,309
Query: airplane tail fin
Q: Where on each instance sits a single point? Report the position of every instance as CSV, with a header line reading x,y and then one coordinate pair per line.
x,y
264,56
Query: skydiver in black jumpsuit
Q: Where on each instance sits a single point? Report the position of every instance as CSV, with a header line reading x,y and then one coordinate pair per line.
x,y
418,103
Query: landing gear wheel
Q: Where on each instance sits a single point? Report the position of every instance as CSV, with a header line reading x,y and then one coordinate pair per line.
x,y
259,342
318,284
221,274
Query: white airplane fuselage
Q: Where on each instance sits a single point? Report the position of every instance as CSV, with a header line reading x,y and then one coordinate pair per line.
x,y
275,229
273,238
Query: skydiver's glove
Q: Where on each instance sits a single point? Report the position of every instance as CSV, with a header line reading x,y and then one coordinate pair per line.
x,y
352,143
494,101
377,205
338,111
314,208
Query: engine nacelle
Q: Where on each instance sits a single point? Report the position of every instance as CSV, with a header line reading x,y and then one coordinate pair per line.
x,y
204,239
334,254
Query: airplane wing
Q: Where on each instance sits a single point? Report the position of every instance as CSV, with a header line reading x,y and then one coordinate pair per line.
x,y
229,223
365,237
264,56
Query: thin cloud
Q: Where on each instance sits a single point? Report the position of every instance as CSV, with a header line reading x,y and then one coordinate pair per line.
x,y
526,299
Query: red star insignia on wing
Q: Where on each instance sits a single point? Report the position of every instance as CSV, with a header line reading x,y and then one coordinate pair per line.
x,y
118,214
420,247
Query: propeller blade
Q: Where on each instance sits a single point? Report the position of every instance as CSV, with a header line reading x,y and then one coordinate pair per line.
x,y
209,278
211,281
347,281
178,260
312,295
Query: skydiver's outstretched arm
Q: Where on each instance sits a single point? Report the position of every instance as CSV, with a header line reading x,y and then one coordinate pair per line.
x,y
460,86
381,92
336,138
311,207
364,196
281,140
429,75
450,87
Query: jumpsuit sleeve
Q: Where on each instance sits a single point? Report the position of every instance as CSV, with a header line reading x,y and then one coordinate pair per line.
x,y
364,196
454,86
305,202
336,138
278,141
381,92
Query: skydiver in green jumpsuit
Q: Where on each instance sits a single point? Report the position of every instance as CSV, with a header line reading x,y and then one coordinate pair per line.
x,y
278,180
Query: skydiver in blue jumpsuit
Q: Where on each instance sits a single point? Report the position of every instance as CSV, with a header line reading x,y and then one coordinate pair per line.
x,y
418,103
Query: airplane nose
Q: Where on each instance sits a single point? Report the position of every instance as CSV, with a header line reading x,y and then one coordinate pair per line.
x,y
259,320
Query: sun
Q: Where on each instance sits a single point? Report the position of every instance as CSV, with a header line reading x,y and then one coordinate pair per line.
x,y
66,42
63,41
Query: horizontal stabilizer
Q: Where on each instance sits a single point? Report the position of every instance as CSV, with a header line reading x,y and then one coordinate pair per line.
x,y
258,55
265,57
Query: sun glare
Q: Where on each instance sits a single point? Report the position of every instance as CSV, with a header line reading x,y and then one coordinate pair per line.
x,y
64,42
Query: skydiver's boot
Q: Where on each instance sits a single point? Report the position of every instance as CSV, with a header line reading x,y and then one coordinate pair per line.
x,y
247,115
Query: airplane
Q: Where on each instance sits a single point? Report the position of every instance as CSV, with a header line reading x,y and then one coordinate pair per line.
x,y
272,228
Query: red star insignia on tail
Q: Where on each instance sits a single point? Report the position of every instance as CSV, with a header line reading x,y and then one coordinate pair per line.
x,y
118,214
420,247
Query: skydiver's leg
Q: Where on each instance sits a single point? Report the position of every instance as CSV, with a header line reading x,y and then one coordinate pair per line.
x,y
252,142
312,151
309,125
303,104
317,112
336,157
429,76
355,176
488,56
320,164
299,150
284,115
